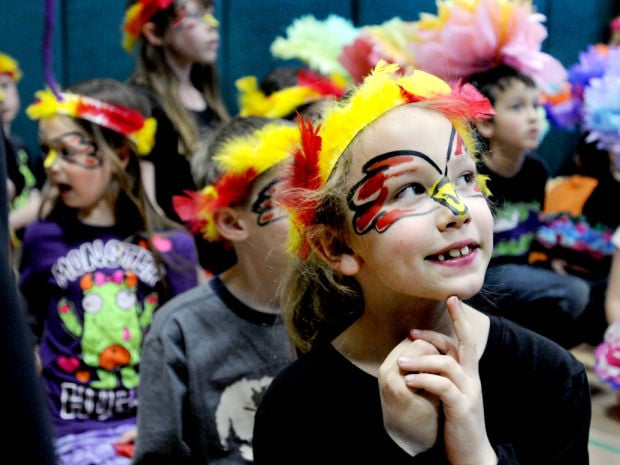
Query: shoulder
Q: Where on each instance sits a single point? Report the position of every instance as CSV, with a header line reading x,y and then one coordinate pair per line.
x,y
39,231
187,306
523,350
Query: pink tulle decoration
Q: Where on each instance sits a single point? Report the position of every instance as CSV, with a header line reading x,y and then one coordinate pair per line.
x,y
607,356
473,36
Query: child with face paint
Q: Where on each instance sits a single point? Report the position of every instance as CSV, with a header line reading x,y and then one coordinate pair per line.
x,y
177,44
212,352
25,171
97,265
391,230
536,297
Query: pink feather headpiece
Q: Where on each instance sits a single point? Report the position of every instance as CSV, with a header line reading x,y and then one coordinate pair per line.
x,y
471,36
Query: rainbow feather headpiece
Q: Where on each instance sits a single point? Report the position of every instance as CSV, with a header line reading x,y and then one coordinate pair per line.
x,y
383,90
471,36
310,87
10,66
126,121
241,160
136,16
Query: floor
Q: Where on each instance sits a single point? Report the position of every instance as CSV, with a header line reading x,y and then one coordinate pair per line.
x,y
605,429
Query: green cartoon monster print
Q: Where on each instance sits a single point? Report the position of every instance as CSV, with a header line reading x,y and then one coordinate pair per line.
x,y
113,327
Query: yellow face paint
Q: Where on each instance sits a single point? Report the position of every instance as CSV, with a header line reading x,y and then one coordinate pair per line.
x,y
50,158
445,194
2,96
210,20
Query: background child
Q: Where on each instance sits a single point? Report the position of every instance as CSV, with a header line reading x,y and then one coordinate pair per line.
x,y
178,43
493,45
539,298
26,173
98,265
212,352
392,230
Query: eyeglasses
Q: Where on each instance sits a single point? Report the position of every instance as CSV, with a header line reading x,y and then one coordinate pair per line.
x,y
71,147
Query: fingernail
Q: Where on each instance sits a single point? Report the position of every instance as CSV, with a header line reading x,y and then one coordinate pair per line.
x,y
403,360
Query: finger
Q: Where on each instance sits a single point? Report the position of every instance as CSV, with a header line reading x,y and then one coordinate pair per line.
x,y
444,344
464,333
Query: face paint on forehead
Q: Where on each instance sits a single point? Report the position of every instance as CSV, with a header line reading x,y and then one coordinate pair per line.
x,y
264,207
367,197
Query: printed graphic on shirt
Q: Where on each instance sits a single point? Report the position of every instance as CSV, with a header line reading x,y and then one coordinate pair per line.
x,y
108,313
235,414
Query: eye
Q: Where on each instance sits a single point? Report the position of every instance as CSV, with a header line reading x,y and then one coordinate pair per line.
x,y
410,191
466,179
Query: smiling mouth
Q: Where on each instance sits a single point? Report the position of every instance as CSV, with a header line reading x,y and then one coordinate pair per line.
x,y
453,253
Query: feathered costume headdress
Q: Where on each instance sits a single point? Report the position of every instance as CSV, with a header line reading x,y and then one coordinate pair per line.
x,y
10,66
241,160
317,43
384,89
123,120
471,36
310,88
136,16
388,42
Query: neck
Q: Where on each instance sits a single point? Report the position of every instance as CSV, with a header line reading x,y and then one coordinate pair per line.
x,y
366,346
256,290
504,161
190,96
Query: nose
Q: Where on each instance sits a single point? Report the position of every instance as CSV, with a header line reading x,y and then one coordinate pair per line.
x,y
50,159
210,20
454,212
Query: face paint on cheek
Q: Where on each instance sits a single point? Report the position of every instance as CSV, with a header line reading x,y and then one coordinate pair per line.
x,y
264,206
367,198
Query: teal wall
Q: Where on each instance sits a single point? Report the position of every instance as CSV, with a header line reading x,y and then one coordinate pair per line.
x,y
87,41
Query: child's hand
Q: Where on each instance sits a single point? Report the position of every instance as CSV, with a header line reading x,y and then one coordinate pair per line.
x,y
453,377
410,416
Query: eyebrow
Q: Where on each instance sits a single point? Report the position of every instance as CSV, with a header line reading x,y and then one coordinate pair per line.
x,y
70,133
371,165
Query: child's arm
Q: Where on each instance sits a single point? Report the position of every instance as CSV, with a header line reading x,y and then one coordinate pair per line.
x,y
612,300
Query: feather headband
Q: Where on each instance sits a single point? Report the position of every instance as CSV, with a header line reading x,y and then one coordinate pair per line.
x,y
317,43
383,90
471,36
310,87
136,16
123,120
10,66
241,160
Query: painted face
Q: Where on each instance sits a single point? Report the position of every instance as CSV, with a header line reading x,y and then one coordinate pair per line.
x,y
421,223
73,164
10,103
193,36
517,120
267,223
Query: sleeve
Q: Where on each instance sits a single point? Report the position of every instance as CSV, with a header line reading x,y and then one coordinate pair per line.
x,y
568,435
162,395
35,304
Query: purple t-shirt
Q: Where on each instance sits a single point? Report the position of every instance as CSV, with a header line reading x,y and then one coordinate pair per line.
x,y
92,292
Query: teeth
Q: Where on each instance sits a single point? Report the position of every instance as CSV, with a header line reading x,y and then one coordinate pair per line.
x,y
454,253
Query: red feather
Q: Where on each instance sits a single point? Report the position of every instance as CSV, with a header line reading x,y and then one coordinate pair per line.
x,y
323,85
188,207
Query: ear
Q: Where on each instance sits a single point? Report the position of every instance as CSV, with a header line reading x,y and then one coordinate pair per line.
x,y
152,34
335,252
485,127
124,154
230,225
